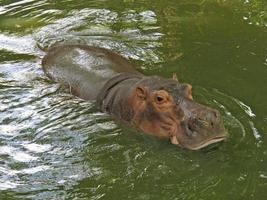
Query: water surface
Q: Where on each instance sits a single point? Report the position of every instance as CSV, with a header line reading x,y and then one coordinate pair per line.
x,y
56,146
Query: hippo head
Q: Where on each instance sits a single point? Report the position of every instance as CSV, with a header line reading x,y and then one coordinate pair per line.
x,y
165,108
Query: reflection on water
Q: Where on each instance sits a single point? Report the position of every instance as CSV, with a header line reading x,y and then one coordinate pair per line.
x,y
56,146
98,27
10,43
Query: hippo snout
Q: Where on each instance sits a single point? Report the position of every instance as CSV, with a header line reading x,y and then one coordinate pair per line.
x,y
207,120
202,126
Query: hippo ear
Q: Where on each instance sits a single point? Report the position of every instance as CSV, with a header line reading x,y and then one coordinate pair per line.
x,y
141,92
188,90
174,77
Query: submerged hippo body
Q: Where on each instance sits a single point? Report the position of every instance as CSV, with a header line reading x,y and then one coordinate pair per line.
x,y
158,106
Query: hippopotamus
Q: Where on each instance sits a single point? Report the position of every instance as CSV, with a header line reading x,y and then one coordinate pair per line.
x,y
161,107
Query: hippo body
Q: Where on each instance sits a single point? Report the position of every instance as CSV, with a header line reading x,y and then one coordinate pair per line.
x,y
160,107
84,69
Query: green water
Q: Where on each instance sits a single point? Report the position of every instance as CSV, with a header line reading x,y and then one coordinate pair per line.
x,y
56,146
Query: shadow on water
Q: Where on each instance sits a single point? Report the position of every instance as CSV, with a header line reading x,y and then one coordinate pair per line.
x,y
56,146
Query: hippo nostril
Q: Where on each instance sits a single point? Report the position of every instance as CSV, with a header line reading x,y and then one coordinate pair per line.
x,y
216,119
216,114
190,128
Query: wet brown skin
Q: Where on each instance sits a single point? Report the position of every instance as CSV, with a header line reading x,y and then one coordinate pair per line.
x,y
158,106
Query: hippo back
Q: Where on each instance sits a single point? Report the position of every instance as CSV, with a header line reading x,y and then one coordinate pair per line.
x,y
84,69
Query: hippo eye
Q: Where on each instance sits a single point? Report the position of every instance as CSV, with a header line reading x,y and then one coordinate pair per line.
x,y
160,99
161,96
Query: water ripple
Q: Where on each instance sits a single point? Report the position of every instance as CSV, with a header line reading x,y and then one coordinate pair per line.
x,y
238,116
94,27
56,146
20,45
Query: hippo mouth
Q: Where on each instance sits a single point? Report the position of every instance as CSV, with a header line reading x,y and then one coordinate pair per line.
x,y
207,142
200,138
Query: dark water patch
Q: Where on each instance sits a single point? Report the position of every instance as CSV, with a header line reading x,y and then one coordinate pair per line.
x,y
9,56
